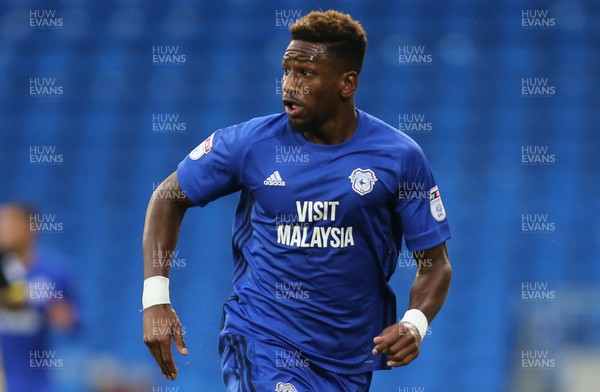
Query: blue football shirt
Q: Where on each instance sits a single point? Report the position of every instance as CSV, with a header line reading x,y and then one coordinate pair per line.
x,y
317,231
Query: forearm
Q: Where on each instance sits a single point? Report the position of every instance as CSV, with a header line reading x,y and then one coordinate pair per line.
x,y
430,287
161,231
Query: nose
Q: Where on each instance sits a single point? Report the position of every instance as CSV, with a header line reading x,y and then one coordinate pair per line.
x,y
290,84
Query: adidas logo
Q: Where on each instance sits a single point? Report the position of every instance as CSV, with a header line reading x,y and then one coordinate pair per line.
x,y
274,180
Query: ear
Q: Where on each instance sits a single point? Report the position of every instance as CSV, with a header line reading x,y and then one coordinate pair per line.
x,y
348,84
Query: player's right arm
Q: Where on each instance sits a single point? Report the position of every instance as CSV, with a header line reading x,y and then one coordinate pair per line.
x,y
209,171
161,231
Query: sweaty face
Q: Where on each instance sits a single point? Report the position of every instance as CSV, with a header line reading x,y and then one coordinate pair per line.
x,y
310,85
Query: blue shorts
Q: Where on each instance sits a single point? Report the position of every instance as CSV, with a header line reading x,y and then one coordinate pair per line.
x,y
251,365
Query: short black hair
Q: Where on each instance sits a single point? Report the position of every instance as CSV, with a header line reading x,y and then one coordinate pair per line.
x,y
344,37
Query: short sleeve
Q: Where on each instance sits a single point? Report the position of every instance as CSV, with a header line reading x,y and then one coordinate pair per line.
x,y
419,206
212,169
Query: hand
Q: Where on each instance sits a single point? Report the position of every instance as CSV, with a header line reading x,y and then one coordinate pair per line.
x,y
61,315
160,325
400,342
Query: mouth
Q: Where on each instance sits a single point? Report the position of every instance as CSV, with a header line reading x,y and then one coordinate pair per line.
x,y
292,107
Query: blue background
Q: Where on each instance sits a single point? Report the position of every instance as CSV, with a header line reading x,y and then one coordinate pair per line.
x,y
470,92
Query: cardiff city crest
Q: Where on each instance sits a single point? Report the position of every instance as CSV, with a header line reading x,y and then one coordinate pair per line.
x,y
362,180
285,387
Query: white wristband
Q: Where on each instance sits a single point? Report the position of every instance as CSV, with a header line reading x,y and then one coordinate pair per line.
x,y
156,291
418,319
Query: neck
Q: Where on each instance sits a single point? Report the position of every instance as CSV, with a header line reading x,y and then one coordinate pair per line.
x,y
337,129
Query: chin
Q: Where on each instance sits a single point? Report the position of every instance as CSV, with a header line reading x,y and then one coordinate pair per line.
x,y
303,126
297,126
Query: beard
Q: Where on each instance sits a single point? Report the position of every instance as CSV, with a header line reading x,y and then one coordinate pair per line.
x,y
307,126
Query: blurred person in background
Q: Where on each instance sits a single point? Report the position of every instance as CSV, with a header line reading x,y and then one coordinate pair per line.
x,y
35,297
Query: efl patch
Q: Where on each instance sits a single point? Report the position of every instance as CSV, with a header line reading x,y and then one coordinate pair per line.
x,y
203,148
285,387
362,180
435,204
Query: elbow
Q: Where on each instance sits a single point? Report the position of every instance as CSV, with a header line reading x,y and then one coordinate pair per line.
x,y
447,270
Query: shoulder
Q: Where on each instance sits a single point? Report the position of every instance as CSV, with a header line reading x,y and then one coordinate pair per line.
x,y
238,140
389,138
52,262
256,129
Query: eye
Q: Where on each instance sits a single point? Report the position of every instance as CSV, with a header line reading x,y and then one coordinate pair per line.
x,y
286,71
306,73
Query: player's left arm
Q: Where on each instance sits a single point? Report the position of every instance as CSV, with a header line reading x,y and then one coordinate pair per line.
x,y
401,342
62,313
